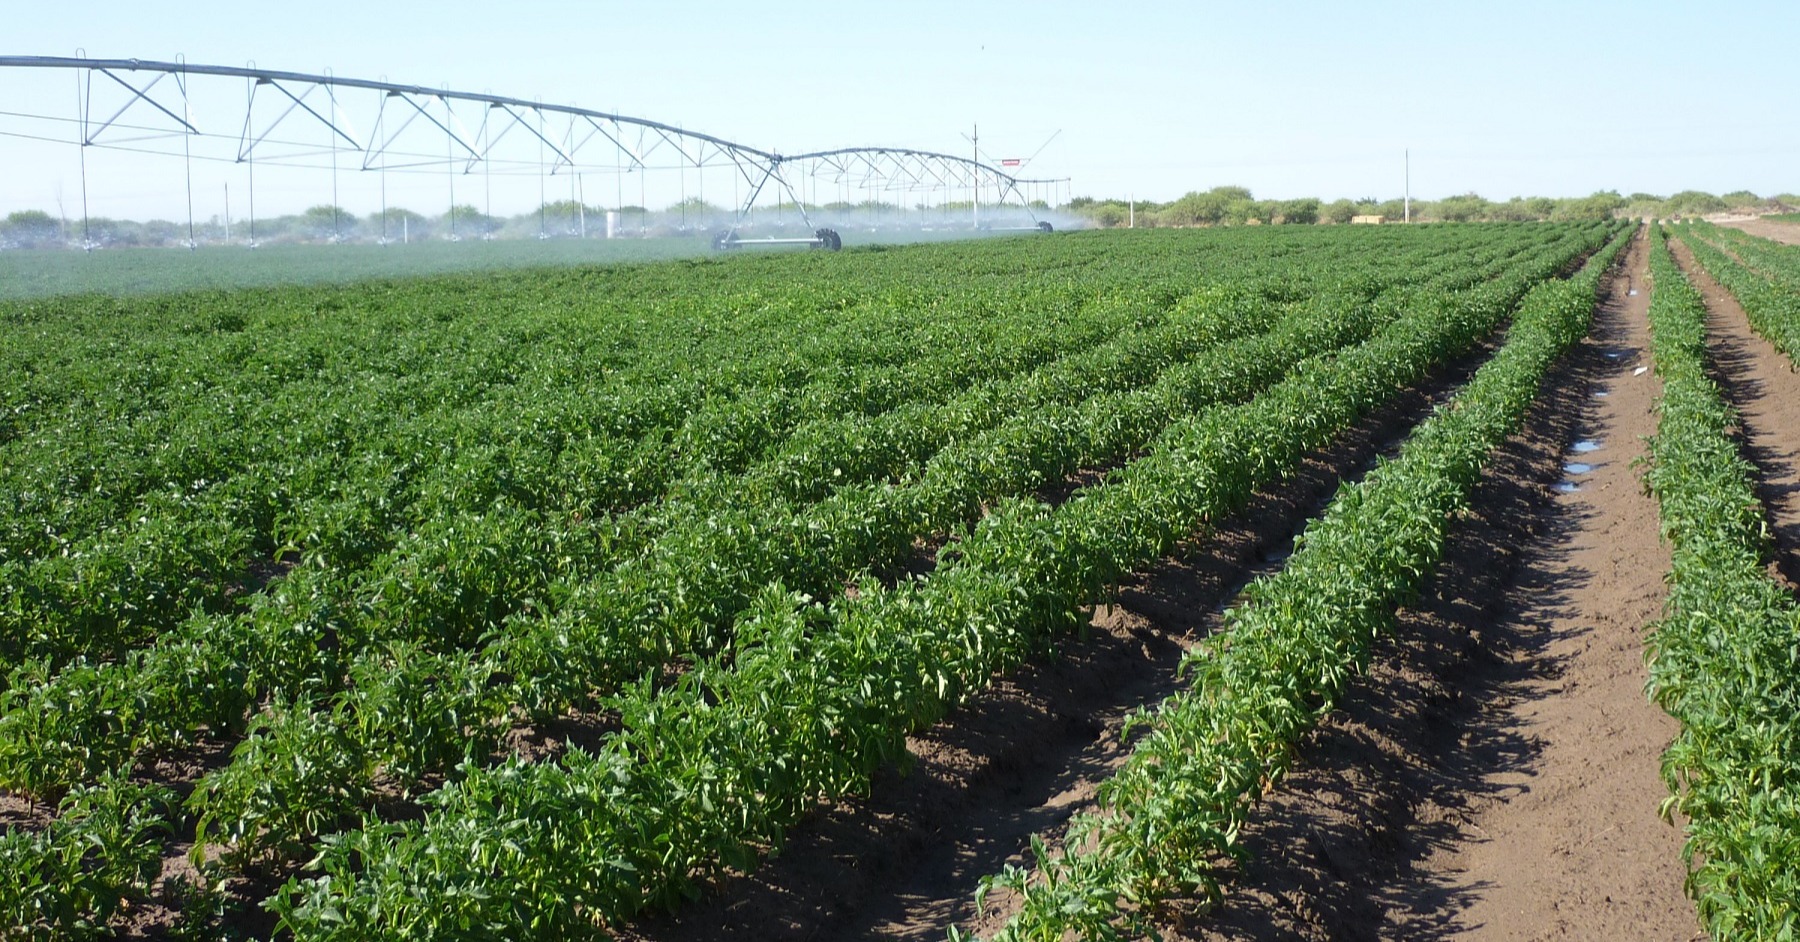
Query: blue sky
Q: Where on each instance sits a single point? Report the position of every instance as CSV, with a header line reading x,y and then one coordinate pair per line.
x,y
1151,99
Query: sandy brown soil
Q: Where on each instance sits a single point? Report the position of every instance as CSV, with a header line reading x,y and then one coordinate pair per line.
x,y
1025,755
18,813
1784,232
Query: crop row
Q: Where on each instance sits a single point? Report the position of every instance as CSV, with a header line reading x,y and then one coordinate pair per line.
x,y
1779,262
105,847
1175,809
1722,659
713,768
1766,281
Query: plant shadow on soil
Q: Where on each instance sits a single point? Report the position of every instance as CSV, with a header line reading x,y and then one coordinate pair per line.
x,y
1730,361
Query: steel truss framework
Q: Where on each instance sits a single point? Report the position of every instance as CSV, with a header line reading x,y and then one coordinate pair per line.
x,y
296,119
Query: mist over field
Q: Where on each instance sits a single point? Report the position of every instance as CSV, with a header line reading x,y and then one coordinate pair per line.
x,y
130,270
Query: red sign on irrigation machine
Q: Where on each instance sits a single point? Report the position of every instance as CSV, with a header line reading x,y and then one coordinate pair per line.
x,y
1011,162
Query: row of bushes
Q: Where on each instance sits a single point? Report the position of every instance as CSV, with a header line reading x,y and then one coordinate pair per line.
x,y
1234,205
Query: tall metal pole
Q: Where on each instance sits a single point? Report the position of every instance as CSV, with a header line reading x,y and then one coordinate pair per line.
x,y
975,178
187,156
543,194
487,172
450,163
82,98
379,114
250,153
337,229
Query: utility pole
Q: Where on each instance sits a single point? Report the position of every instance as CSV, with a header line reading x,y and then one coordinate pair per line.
x,y
1408,204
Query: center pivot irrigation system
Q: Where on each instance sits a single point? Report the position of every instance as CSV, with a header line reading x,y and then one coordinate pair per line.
x,y
275,122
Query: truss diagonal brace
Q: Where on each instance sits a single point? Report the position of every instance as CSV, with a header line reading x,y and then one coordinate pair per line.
x,y
403,96
521,122
137,95
300,101
771,172
247,144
